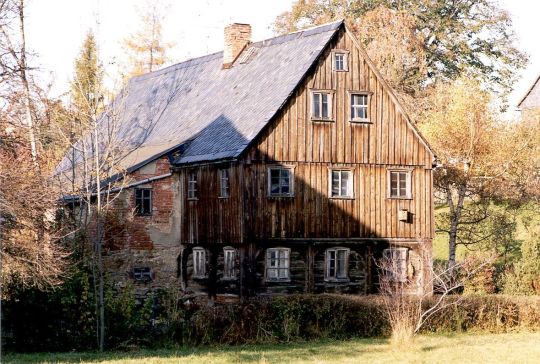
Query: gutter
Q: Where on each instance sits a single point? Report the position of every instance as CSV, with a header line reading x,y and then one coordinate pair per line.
x,y
118,189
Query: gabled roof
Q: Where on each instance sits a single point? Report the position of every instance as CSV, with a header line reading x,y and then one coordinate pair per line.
x,y
211,112
531,99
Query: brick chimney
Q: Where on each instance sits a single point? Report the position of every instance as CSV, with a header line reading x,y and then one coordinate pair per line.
x,y
237,37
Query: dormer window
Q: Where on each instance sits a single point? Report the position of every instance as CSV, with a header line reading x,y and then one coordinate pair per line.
x,y
340,61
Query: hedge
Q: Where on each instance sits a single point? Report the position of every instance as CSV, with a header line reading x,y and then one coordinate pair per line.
x,y
272,319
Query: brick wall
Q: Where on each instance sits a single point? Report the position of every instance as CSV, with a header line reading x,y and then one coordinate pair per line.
x,y
145,241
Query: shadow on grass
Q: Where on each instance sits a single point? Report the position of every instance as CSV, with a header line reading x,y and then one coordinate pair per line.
x,y
278,353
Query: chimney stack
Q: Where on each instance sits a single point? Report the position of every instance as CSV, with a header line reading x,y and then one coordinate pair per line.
x,y
237,37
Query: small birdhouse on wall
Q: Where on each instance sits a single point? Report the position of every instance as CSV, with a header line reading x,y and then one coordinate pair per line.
x,y
403,215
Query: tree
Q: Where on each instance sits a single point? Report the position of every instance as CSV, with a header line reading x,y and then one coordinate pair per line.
x,y
408,313
469,142
471,38
31,253
146,49
14,64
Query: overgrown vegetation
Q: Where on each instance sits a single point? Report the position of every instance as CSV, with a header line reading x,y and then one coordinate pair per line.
x,y
63,320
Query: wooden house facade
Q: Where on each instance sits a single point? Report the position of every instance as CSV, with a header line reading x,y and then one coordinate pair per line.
x,y
309,198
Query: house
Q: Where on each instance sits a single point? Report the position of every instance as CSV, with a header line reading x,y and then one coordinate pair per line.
x,y
285,165
531,99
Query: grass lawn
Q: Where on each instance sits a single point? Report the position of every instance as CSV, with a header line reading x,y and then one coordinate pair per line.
x,y
461,348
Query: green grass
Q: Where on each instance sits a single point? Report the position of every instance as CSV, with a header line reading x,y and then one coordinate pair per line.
x,y
527,213
462,348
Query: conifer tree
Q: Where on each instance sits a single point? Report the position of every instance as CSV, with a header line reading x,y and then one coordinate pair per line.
x,y
145,49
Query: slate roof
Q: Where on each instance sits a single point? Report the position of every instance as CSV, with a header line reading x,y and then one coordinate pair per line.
x,y
531,100
213,113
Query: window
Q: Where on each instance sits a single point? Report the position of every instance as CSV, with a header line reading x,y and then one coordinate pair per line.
x,y
277,264
359,107
143,201
280,181
192,186
395,263
321,105
400,184
337,260
229,260
142,274
199,263
223,183
341,61
341,183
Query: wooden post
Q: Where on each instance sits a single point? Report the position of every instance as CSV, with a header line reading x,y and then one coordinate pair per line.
x,y
310,268
184,255
369,267
212,273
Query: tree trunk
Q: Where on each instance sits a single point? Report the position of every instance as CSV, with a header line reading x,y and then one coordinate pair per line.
x,y
455,216
26,87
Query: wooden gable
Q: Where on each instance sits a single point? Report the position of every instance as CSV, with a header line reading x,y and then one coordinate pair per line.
x,y
389,138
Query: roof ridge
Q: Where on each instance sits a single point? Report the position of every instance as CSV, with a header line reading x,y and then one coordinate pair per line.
x,y
265,42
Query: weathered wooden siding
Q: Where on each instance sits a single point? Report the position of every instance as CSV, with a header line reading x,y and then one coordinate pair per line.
x,y
311,213
210,219
386,140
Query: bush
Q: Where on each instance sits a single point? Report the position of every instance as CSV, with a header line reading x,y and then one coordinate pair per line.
x,y
165,319
524,277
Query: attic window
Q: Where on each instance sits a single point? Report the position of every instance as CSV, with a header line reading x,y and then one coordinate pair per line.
x,y
340,60
247,55
359,107
321,105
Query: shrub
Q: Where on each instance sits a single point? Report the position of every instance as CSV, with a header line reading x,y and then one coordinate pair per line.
x,y
524,277
163,318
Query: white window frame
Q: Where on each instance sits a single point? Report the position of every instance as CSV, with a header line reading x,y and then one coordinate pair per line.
x,y
224,188
328,262
199,263
229,262
279,265
408,184
345,55
192,185
398,257
290,169
352,106
350,183
330,107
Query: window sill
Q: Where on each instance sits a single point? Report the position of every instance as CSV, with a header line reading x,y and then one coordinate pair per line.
x,y
229,279
366,121
199,278
320,120
270,280
342,197
280,196
337,280
335,70
399,198
224,197
143,215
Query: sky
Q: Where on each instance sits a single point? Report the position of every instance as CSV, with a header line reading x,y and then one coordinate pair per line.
x,y
56,29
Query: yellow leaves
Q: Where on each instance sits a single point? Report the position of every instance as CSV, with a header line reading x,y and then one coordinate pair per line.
x,y
460,123
145,49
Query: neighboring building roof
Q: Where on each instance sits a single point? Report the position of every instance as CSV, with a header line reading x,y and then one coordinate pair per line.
x,y
531,100
213,113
